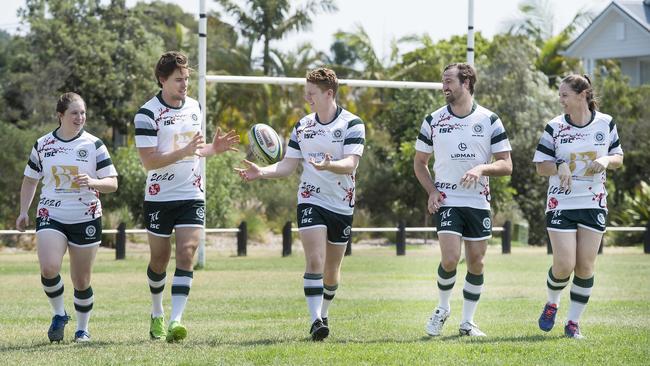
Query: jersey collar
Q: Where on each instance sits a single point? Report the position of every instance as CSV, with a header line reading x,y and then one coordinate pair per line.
x,y
459,117
62,140
336,115
567,118
162,101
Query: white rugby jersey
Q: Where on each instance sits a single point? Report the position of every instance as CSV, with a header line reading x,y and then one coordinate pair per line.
x,y
578,146
168,128
58,161
310,138
459,144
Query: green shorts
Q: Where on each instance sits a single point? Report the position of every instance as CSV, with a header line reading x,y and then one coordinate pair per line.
x,y
471,224
82,234
339,227
593,219
160,218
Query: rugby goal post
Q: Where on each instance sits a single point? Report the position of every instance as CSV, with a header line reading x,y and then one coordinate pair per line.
x,y
228,79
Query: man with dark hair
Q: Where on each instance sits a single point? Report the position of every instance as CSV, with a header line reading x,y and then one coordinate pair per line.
x,y
169,141
463,137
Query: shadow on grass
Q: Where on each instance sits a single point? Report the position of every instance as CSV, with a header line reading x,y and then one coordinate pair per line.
x,y
68,345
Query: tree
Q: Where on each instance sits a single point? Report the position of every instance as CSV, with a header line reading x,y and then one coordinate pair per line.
x,y
268,20
520,95
535,21
99,51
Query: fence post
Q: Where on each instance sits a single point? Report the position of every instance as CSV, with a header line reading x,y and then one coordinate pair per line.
x,y
506,237
120,241
646,239
401,238
242,238
348,247
286,239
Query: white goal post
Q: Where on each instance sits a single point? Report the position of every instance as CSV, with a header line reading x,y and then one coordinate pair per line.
x,y
204,78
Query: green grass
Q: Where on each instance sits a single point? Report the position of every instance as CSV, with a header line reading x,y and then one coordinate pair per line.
x,y
251,311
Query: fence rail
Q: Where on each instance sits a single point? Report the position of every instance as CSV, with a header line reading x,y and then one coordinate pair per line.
x,y
287,233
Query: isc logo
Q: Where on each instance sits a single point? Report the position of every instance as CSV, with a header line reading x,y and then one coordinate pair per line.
x,y
556,222
445,223
446,129
50,154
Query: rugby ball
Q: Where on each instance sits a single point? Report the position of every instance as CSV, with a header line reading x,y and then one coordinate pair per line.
x,y
265,144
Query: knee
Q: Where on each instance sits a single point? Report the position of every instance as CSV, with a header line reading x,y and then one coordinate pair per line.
x,y
449,263
475,265
81,283
50,270
584,270
563,268
315,263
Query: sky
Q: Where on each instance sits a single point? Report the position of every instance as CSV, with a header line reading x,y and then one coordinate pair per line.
x,y
385,20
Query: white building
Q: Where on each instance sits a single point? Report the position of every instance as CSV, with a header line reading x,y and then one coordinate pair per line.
x,y
621,32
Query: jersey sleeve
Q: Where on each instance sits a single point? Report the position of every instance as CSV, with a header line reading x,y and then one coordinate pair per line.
x,y
34,169
146,132
103,163
499,139
614,141
546,147
424,142
293,147
355,138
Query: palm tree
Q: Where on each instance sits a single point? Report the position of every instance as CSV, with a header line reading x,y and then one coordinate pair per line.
x,y
535,21
268,20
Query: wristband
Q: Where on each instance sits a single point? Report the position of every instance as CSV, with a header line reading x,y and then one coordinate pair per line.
x,y
559,162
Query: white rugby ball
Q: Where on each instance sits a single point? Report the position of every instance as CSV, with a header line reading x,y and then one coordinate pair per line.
x,y
265,143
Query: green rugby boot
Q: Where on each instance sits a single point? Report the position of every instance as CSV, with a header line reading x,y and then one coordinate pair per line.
x,y
157,328
176,332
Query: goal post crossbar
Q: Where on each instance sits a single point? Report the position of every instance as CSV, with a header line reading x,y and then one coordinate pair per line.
x,y
272,80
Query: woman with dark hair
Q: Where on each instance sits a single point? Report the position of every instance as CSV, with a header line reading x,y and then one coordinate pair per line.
x,y
575,150
75,167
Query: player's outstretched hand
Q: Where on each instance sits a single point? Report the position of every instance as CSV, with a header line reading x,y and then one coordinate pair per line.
x,y
323,164
221,142
251,172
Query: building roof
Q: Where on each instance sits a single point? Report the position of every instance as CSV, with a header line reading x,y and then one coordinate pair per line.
x,y
638,11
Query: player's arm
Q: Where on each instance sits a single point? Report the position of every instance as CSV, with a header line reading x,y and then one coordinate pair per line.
x,y
347,165
423,174
280,169
153,159
606,162
27,191
548,168
102,185
502,165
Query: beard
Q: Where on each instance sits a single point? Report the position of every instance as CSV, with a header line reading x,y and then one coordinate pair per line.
x,y
451,98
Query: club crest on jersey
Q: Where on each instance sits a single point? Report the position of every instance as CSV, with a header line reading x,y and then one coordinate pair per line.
x,y
477,129
599,137
195,117
200,212
82,154
601,218
338,135
90,231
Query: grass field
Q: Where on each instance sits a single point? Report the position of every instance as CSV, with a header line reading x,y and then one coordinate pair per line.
x,y
251,311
